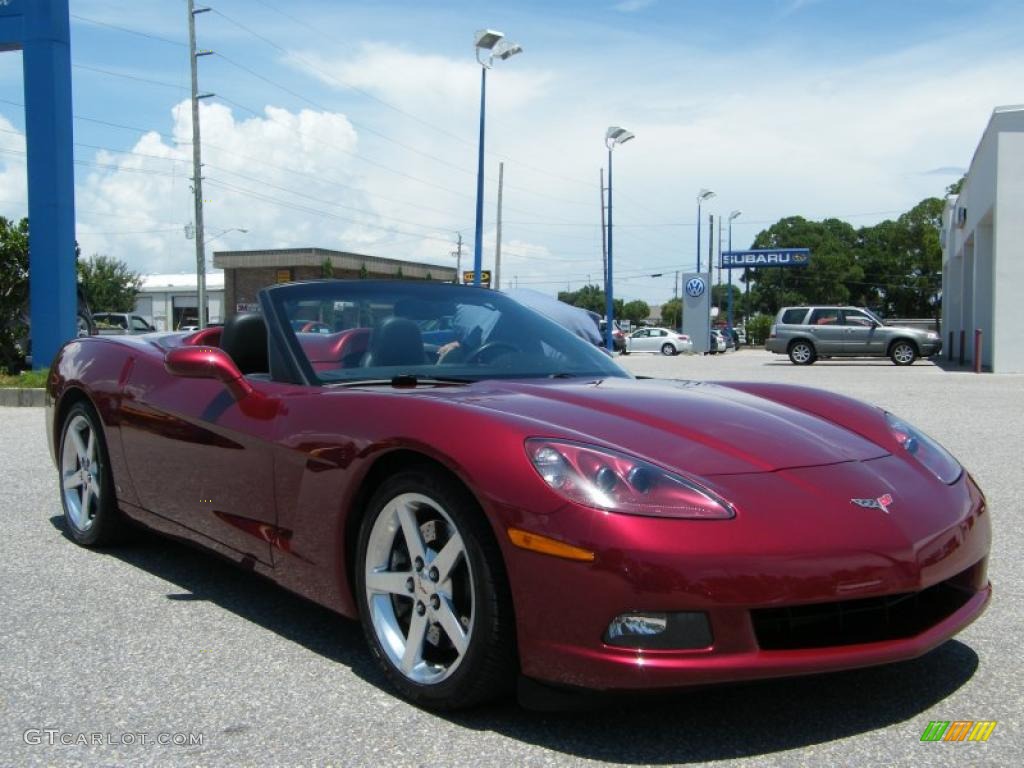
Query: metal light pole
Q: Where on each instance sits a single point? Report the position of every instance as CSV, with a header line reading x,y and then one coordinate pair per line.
x,y
704,194
493,46
733,215
612,137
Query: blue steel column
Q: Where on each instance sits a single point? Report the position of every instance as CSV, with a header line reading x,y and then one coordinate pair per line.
x,y
51,182
698,235
609,302
730,276
478,244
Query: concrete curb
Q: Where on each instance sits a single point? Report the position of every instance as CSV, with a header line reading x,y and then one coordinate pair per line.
x,y
12,397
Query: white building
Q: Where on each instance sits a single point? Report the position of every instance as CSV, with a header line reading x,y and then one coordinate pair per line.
x,y
170,301
983,249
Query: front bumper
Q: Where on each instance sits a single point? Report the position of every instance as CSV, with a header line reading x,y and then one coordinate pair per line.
x,y
728,570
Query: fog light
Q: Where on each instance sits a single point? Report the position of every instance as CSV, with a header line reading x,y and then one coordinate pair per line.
x,y
631,625
685,630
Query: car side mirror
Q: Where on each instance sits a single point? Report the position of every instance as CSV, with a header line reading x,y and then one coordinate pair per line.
x,y
207,363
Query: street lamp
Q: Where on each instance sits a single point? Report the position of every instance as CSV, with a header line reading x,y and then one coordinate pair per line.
x,y
733,215
612,138
490,45
226,231
704,194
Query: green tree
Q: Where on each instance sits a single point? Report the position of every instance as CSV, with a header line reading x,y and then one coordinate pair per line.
x,y
825,280
363,272
13,291
671,313
902,262
636,311
590,297
108,284
326,269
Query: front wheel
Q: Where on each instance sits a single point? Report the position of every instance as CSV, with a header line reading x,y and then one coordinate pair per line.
x,y
432,591
87,488
801,353
667,349
903,353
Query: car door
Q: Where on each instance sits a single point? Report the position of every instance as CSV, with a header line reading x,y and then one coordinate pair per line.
x,y
825,327
860,337
195,456
641,341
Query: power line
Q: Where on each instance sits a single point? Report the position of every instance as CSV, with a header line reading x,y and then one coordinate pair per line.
x,y
389,105
99,23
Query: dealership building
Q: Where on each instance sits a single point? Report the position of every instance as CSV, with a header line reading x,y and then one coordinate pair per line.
x,y
983,250
246,272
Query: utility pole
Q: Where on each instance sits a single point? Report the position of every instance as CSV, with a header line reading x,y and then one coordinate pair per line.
x,y
675,295
197,162
711,240
497,242
604,235
458,260
719,250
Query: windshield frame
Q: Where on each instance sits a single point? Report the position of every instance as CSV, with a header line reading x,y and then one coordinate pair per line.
x,y
274,300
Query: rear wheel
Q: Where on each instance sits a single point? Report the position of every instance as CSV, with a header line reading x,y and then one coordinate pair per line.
x,y
667,349
87,488
433,596
903,353
801,353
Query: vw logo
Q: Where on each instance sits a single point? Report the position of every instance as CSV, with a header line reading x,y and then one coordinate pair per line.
x,y
695,287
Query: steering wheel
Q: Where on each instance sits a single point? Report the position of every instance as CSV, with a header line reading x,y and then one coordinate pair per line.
x,y
477,356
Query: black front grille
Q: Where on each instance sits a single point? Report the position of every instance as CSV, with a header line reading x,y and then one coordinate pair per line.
x,y
868,620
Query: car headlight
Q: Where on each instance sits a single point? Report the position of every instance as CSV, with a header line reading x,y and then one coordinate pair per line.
x,y
608,480
933,336
932,456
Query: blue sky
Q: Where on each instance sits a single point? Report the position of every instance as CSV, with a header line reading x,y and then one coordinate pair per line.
x,y
352,125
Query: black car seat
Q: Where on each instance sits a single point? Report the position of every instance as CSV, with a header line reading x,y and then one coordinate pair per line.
x,y
244,338
396,341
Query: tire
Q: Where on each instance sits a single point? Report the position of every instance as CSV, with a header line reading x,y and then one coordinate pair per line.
x,y
667,349
802,353
903,353
91,515
472,608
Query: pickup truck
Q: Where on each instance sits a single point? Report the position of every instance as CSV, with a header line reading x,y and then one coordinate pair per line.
x,y
121,324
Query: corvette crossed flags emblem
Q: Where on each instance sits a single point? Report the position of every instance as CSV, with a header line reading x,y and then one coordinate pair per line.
x,y
882,503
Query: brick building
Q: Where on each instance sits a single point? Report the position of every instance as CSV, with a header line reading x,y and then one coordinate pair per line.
x,y
246,272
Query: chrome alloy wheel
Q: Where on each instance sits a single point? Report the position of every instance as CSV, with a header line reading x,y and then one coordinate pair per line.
x,y
903,354
801,353
419,588
81,473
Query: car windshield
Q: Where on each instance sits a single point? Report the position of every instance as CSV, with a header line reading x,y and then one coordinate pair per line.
x,y
352,331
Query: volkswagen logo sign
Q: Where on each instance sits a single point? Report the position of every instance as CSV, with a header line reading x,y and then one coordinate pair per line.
x,y
695,287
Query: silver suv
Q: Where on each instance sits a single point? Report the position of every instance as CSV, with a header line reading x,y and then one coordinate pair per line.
x,y
807,333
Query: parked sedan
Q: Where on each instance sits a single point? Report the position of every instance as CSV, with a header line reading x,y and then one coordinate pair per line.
x,y
717,342
659,340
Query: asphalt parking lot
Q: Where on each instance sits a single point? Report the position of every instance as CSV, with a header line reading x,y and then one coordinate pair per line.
x,y
158,638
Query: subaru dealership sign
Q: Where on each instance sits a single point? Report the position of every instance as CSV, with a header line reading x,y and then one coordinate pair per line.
x,y
769,257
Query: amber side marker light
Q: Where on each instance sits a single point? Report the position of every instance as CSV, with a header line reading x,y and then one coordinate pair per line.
x,y
547,546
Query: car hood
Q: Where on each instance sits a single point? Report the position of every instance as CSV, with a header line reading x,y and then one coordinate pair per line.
x,y
696,427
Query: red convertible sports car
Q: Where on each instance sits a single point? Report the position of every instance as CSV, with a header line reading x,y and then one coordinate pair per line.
x,y
502,501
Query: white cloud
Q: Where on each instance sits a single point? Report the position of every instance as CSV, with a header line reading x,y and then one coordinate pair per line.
x,y
431,84
13,189
269,174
